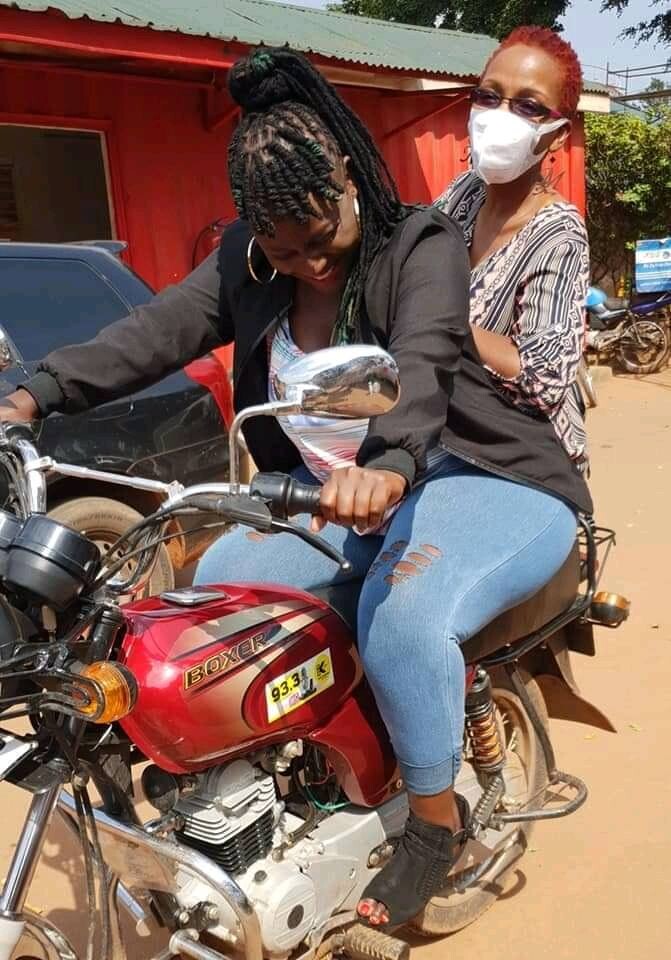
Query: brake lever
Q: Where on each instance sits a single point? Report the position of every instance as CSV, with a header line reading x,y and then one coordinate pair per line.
x,y
286,526
253,512
237,508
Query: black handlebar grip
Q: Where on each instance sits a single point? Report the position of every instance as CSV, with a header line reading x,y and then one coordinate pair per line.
x,y
285,497
303,498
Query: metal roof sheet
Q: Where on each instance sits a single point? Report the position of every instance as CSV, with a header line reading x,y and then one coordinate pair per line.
x,y
375,43
360,40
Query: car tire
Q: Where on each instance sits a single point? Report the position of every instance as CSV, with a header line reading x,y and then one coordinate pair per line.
x,y
103,520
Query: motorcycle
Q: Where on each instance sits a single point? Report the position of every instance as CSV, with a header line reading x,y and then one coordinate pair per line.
x,y
276,789
636,334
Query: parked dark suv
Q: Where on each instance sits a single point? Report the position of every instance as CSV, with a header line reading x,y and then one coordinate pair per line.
x,y
58,294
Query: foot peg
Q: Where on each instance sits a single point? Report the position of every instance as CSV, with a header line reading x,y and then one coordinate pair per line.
x,y
363,943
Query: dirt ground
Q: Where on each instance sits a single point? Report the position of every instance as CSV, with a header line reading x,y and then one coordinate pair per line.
x,y
596,884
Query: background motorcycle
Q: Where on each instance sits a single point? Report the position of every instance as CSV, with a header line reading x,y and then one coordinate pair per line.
x,y
276,787
636,334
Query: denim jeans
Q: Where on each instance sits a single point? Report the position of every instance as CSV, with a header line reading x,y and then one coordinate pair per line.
x,y
463,547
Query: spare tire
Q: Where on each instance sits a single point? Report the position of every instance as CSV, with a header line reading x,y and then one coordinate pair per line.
x,y
103,520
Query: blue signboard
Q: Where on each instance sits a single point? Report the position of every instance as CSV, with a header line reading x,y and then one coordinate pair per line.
x,y
653,265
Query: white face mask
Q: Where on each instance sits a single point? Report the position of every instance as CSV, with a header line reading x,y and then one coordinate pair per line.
x,y
503,145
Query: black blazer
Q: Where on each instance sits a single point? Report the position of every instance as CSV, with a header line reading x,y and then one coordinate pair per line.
x,y
417,300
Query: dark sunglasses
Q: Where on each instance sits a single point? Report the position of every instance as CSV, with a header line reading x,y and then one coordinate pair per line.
x,y
524,107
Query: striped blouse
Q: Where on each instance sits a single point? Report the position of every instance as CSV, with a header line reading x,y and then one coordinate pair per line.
x,y
533,290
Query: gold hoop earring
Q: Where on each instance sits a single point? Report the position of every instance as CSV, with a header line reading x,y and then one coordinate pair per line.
x,y
250,266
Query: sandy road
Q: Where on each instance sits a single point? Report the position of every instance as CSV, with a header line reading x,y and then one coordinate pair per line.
x,y
596,885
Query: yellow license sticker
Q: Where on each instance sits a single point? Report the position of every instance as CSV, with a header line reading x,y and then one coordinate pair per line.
x,y
294,688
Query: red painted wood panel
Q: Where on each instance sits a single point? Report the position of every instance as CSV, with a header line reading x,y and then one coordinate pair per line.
x,y
426,157
169,172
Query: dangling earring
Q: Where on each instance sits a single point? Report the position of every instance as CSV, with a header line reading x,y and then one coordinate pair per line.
x,y
357,212
250,266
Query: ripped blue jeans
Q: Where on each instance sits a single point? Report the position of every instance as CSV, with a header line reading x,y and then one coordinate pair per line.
x,y
465,546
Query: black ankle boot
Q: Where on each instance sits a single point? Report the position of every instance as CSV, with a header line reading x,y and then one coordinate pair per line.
x,y
419,867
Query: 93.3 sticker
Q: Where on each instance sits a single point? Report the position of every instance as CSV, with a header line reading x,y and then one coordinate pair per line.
x,y
292,689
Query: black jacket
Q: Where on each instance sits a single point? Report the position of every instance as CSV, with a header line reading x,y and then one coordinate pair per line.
x,y
417,312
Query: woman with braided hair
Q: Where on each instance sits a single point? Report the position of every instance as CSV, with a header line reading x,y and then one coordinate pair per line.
x,y
452,508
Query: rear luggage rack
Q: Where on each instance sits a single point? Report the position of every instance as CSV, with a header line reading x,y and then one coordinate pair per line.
x,y
603,537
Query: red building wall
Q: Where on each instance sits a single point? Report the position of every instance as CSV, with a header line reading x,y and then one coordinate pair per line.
x,y
168,174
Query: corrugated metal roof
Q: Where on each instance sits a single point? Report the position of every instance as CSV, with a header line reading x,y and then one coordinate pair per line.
x,y
375,43
593,86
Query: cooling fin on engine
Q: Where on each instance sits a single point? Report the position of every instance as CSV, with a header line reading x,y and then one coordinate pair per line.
x,y
229,816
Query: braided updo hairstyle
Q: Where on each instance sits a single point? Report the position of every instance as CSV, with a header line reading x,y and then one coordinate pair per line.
x,y
294,133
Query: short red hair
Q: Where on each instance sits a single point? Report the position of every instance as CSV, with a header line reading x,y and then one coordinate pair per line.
x,y
560,50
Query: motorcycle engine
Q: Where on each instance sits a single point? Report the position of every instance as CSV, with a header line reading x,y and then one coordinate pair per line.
x,y
231,816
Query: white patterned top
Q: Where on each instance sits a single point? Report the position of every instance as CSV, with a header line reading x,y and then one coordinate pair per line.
x,y
325,444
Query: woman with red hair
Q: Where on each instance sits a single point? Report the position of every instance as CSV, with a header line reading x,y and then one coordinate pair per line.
x,y
528,248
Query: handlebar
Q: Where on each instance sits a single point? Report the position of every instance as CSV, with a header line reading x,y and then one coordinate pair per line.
x,y
17,438
266,505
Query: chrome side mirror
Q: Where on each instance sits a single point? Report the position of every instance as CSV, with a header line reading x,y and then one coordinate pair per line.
x,y
354,382
9,352
350,382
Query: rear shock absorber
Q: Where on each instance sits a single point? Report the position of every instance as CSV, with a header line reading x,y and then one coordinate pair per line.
x,y
489,755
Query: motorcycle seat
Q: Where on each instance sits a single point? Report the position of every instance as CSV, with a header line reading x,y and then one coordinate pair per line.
x,y
608,316
554,598
607,312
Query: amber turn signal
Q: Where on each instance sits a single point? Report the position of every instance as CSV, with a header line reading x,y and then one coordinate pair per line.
x,y
115,693
609,609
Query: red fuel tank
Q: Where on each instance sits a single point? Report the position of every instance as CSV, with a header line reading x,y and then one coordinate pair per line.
x,y
251,666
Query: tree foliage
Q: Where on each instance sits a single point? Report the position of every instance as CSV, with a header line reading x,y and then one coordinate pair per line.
x,y
496,18
657,28
656,105
628,186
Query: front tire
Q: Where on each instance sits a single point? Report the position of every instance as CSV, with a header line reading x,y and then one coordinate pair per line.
x,y
452,911
644,347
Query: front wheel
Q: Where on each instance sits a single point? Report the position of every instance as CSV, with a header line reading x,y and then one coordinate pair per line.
x,y
525,775
644,347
